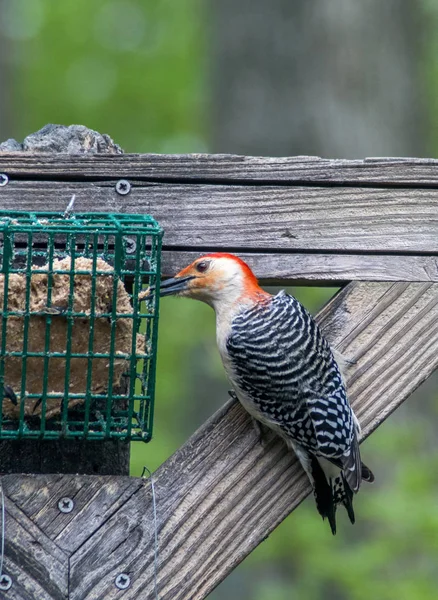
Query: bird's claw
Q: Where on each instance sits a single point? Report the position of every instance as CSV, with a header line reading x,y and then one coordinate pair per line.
x,y
232,394
37,403
8,392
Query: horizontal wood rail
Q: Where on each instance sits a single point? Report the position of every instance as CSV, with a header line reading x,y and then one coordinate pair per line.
x,y
295,219
387,172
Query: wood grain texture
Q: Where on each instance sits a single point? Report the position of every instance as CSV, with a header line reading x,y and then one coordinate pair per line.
x,y
223,167
37,566
257,218
95,499
222,493
320,269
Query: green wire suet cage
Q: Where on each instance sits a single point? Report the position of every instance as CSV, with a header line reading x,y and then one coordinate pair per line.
x,y
78,333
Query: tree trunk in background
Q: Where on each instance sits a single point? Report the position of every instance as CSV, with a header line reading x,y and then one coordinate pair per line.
x,y
334,79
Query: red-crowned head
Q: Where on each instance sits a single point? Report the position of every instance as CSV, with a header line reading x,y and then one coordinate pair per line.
x,y
219,279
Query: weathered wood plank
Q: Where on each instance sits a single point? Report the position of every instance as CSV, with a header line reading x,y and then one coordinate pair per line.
x,y
321,269
95,499
25,587
38,568
258,218
222,493
223,167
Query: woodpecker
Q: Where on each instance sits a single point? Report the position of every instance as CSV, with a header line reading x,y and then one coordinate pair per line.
x,y
283,372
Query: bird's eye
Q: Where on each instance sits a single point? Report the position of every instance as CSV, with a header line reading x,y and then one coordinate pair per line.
x,y
202,266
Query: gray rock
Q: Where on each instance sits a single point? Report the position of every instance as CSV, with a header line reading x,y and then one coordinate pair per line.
x,y
72,139
11,146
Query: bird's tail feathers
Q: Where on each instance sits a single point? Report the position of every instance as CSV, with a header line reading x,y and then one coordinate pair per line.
x,y
322,490
343,494
331,487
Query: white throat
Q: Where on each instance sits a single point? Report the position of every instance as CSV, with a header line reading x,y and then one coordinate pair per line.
x,y
227,298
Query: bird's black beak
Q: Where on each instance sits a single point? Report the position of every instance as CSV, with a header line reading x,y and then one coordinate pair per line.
x,y
174,285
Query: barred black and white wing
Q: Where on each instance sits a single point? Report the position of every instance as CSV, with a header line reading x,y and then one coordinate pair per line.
x,y
285,374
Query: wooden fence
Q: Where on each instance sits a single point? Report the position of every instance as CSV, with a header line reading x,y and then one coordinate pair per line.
x,y
371,225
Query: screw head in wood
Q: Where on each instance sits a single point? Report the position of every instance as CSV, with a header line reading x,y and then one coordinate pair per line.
x,y
130,245
5,583
123,581
4,179
66,505
123,187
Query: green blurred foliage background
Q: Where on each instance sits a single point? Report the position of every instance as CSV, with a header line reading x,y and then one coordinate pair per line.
x,y
139,71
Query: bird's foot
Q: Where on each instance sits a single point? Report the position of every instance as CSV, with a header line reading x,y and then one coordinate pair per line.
x,y
343,360
260,432
232,394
